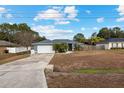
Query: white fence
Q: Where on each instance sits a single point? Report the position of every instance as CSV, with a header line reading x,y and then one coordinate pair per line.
x,y
17,49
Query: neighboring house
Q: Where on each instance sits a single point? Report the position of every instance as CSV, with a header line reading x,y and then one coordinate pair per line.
x,y
46,46
4,45
18,49
9,47
112,43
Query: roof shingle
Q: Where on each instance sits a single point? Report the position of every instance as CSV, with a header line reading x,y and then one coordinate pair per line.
x,y
115,40
6,44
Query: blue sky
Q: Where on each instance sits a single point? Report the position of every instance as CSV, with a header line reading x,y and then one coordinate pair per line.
x,y
64,21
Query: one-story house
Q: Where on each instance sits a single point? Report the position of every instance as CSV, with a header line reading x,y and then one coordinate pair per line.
x,y
112,43
46,46
9,47
4,45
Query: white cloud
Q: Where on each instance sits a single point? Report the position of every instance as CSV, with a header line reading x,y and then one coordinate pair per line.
x,y
51,14
50,32
2,10
4,13
120,9
59,8
71,11
88,11
100,20
58,14
83,28
8,16
121,19
62,22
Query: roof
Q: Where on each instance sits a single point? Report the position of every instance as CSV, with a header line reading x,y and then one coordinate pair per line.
x,y
115,40
44,42
62,41
112,40
50,42
7,44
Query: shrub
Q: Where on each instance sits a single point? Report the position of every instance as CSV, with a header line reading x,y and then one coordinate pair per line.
x,y
78,47
60,47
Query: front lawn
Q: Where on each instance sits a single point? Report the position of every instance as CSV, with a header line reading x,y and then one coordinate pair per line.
x,y
79,80
88,59
88,69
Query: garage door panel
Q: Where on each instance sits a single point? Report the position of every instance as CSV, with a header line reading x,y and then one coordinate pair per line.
x,y
45,49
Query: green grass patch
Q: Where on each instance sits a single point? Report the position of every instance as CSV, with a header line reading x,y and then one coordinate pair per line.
x,y
101,71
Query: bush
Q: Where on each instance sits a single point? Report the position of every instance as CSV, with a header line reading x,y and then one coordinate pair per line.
x,y
77,47
61,47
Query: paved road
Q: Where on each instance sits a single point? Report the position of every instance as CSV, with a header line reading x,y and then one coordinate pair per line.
x,y
25,73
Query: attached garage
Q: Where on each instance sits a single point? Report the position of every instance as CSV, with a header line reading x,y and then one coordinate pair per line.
x,y
45,49
45,46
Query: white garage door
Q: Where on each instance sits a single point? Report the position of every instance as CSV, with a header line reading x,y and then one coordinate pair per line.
x,y
45,49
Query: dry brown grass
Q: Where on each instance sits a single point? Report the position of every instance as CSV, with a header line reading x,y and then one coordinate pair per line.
x,y
88,59
65,64
72,80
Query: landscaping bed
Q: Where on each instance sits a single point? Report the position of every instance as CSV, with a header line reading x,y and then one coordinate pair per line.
x,y
88,69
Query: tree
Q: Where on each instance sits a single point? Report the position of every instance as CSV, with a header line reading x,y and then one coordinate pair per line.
x,y
112,33
115,32
3,36
79,38
95,40
24,38
23,27
94,34
104,33
17,33
6,28
38,38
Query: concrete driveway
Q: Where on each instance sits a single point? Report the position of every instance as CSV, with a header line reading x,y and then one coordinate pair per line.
x,y
25,73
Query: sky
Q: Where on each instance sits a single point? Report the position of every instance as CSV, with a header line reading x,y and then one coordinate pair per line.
x,y
63,22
